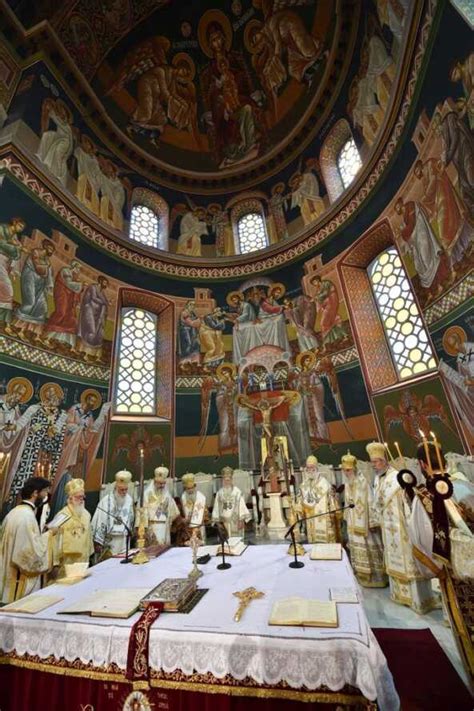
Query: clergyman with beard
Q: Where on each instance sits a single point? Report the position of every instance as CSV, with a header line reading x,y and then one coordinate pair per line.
x,y
108,531
73,544
25,553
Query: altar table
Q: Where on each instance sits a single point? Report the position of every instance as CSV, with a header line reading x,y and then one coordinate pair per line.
x,y
205,650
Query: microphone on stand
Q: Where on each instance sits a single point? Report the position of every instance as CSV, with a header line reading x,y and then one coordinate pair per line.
x,y
223,538
127,537
291,531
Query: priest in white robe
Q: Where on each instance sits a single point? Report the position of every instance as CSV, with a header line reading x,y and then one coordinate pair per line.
x,y
407,585
114,517
194,506
160,506
363,531
441,532
73,544
317,496
229,505
25,553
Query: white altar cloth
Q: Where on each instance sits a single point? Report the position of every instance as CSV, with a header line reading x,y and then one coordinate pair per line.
x,y
207,639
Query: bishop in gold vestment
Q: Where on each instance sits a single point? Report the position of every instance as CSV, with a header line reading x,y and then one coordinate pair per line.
x,y
407,585
317,496
363,532
74,543
25,553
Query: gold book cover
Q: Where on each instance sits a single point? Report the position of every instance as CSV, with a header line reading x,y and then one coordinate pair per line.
x,y
173,592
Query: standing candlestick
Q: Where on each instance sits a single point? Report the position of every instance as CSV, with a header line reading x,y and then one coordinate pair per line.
x,y
438,451
141,456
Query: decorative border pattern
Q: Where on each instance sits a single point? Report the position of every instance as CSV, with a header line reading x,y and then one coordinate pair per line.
x,y
206,683
457,296
45,359
287,254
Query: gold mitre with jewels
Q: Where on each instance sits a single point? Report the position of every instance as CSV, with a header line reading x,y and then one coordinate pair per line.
x,y
161,473
348,461
188,480
376,450
75,486
123,477
227,472
311,461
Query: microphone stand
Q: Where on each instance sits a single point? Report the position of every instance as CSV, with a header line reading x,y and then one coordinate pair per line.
x,y
291,532
127,537
223,538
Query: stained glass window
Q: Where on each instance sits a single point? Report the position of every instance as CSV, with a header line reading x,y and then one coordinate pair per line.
x,y
135,391
407,337
348,162
251,232
145,226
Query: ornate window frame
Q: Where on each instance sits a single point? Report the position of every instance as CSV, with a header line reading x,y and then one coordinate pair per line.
x,y
334,142
159,206
242,208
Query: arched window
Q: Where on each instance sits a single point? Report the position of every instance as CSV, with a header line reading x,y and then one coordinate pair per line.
x,y
250,229
149,219
348,162
466,9
145,226
407,337
135,386
252,232
339,159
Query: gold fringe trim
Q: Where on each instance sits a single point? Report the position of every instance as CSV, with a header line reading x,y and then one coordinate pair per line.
x,y
257,692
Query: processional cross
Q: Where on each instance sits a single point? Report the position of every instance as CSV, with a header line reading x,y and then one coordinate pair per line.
x,y
246,596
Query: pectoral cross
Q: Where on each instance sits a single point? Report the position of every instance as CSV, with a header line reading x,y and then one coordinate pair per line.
x,y
246,596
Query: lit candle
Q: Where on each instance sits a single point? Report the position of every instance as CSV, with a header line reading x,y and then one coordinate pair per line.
x,y
427,452
388,450
397,447
438,451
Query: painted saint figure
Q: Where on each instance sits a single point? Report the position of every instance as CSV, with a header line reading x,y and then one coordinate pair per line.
x,y
56,146
92,319
36,282
311,389
61,326
10,251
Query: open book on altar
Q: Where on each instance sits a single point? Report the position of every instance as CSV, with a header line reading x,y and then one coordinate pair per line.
x,y
32,604
299,612
326,551
234,546
119,603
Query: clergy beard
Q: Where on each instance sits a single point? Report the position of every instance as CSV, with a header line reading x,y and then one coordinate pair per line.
x,y
77,509
228,488
119,499
191,495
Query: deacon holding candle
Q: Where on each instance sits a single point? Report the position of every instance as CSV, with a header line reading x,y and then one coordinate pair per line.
x,y
407,585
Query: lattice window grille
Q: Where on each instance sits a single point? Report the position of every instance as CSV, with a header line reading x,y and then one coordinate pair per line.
x,y
406,335
251,232
145,226
136,369
348,162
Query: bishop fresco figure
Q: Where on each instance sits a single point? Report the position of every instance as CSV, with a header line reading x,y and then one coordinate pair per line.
x,y
229,505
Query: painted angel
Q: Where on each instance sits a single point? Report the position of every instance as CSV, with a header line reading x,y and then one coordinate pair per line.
x,y
415,414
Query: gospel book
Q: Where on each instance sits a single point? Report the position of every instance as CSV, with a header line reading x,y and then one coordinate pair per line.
x,y
299,612
234,546
32,604
172,592
119,603
326,551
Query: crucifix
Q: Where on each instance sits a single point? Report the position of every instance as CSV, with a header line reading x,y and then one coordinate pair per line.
x,y
245,597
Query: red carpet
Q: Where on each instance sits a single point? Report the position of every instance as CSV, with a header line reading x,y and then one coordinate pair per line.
x,y
424,677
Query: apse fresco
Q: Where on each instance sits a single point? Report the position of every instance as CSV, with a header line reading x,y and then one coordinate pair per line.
x,y
49,426
402,413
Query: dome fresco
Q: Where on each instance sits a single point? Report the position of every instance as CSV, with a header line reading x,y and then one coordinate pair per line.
x,y
214,110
